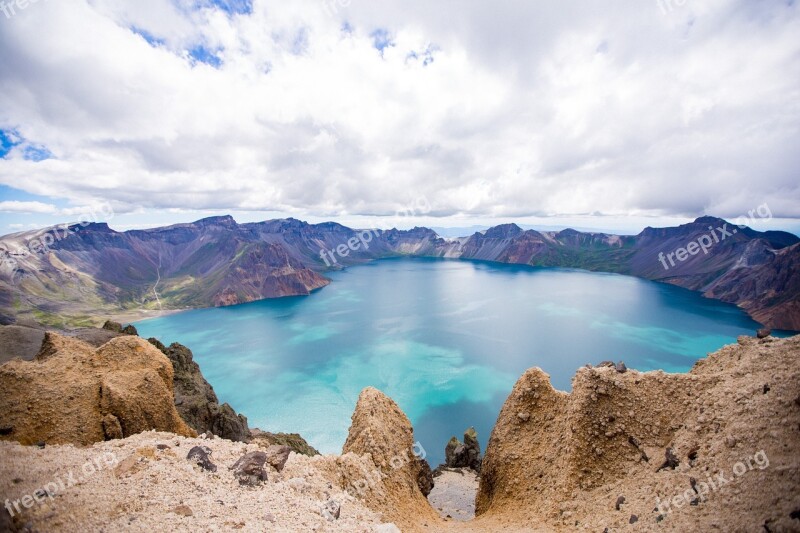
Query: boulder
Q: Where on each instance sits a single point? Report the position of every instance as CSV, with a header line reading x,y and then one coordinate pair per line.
x,y
75,393
201,456
249,469
277,456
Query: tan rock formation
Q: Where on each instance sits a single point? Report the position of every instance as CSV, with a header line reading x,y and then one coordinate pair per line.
x,y
75,393
566,459
383,433
716,449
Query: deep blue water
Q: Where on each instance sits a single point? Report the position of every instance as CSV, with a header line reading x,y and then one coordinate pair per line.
x,y
445,339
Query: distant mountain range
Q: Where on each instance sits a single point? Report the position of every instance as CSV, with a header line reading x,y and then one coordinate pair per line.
x,y
89,270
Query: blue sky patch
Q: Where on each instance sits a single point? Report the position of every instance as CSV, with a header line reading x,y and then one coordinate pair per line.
x,y
300,42
426,56
11,222
36,153
201,54
151,39
381,39
231,7
10,193
234,7
10,139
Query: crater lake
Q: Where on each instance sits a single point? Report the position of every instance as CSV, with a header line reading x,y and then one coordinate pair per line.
x,y
446,339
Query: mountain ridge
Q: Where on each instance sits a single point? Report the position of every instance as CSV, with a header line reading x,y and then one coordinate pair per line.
x,y
80,270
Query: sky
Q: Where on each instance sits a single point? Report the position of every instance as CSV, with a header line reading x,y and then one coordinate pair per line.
x,y
607,115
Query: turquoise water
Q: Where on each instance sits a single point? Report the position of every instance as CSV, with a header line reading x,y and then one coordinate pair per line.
x,y
445,339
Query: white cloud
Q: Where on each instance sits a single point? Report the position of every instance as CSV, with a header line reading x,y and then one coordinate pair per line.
x,y
14,206
525,109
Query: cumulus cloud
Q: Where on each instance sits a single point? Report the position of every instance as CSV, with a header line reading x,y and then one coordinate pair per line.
x,y
14,206
339,108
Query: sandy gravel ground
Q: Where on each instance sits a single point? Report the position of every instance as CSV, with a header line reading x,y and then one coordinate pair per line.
x,y
145,483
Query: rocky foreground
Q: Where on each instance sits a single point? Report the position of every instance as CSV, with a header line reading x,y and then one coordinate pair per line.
x,y
717,449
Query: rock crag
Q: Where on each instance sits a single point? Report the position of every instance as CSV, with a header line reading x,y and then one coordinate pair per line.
x,y
196,400
465,454
381,432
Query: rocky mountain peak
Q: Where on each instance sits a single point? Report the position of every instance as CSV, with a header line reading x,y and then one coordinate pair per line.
x,y
503,231
99,227
225,221
706,220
